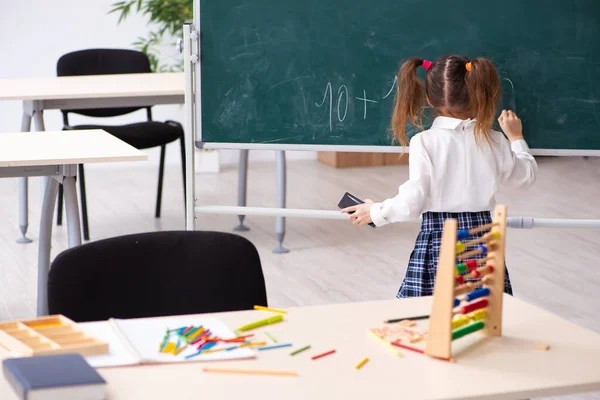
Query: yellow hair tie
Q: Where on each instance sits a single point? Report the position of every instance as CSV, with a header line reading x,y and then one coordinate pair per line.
x,y
468,66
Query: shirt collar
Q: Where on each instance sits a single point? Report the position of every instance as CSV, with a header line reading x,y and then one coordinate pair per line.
x,y
450,123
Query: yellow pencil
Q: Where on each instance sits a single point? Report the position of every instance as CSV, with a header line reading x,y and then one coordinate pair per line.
x,y
213,350
363,362
275,310
387,345
254,344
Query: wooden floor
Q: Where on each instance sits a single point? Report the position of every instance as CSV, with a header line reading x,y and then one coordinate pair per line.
x,y
330,261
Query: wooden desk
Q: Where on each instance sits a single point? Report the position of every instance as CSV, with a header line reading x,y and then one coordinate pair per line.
x,y
126,90
80,92
56,155
485,368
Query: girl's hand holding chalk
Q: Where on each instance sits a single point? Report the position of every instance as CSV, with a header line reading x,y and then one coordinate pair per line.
x,y
511,125
361,214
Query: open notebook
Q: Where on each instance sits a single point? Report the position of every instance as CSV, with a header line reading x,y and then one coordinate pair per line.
x,y
137,341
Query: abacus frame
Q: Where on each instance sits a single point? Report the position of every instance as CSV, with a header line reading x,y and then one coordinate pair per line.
x,y
439,340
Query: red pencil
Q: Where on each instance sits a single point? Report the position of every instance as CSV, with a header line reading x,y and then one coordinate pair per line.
x,y
417,350
323,355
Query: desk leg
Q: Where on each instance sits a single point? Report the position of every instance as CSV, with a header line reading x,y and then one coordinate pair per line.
x,y
72,210
45,245
23,187
281,189
242,190
38,120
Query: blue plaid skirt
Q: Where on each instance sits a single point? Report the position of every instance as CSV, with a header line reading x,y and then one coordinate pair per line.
x,y
420,274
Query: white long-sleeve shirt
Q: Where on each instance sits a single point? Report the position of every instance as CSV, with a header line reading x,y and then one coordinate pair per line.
x,y
449,172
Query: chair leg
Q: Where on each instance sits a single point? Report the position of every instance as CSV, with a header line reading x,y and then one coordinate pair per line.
x,y
84,213
182,141
59,205
161,170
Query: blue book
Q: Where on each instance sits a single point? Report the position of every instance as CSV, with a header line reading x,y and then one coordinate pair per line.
x,y
54,377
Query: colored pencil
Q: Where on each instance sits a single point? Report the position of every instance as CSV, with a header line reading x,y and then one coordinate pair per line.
x,y
363,362
255,344
275,310
213,350
293,353
417,350
267,334
391,321
322,355
179,350
194,354
251,372
388,346
262,322
277,346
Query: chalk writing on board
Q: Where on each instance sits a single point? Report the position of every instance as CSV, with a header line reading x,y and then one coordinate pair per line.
x,y
394,85
365,100
343,98
343,90
328,91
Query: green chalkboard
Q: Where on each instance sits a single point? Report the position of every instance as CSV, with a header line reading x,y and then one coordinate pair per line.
x,y
321,72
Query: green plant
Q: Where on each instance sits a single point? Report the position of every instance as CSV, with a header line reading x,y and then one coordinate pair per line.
x,y
166,17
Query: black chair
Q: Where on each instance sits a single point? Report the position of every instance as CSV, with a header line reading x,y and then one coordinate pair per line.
x,y
156,274
142,135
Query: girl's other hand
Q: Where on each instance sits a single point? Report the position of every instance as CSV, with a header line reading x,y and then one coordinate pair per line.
x,y
361,213
511,125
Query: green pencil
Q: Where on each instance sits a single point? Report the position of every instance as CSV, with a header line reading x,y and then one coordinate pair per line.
x,y
293,353
270,337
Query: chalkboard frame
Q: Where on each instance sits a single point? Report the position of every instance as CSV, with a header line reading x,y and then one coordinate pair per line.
x,y
201,144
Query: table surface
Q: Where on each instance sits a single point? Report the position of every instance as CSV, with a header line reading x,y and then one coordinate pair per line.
x,y
93,86
485,368
64,147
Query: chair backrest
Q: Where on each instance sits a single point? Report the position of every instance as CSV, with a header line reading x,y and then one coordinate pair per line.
x,y
156,274
103,62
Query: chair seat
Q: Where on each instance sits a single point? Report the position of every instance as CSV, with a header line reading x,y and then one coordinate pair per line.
x,y
142,135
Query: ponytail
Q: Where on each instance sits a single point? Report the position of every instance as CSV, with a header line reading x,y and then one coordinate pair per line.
x,y
410,100
484,90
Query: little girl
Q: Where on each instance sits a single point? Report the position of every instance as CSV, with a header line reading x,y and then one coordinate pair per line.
x,y
455,167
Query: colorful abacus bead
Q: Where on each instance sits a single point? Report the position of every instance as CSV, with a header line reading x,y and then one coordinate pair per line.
x,y
459,321
478,315
476,294
463,234
483,249
474,306
474,327
460,247
461,268
471,265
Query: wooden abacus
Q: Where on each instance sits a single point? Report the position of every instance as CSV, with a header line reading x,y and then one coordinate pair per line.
x,y
460,307
54,334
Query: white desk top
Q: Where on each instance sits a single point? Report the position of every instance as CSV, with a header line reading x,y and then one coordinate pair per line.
x,y
64,147
93,86
485,368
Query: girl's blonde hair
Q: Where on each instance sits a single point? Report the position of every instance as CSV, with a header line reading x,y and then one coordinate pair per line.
x,y
454,85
